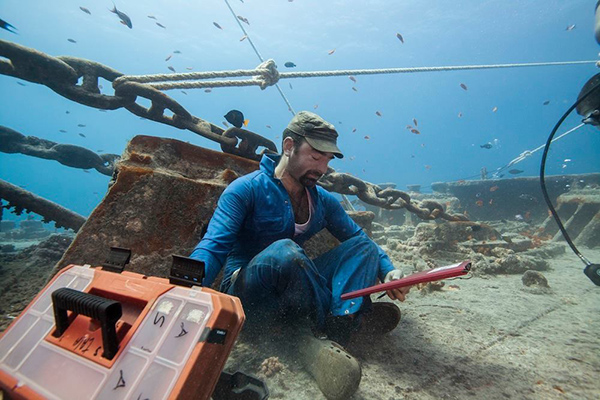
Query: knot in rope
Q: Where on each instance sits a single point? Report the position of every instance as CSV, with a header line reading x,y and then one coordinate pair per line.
x,y
269,75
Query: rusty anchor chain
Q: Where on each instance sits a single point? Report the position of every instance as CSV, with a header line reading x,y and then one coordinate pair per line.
x,y
62,74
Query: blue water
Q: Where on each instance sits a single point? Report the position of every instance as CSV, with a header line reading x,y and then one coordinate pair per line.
x,y
363,34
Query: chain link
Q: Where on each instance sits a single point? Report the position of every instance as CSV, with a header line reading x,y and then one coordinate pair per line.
x,y
63,73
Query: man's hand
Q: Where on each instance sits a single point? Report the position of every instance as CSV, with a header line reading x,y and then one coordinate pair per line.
x,y
399,293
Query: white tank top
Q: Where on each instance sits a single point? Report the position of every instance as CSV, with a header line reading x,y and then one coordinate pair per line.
x,y
301,228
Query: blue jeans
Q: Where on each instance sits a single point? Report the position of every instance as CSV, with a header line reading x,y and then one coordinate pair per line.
x,y
282,279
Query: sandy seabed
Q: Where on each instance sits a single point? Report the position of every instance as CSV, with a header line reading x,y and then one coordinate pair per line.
x,y
482,338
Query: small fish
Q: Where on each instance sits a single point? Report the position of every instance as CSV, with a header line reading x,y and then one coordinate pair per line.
x,y
399,36
355,89
177,52
268,126
87,171
494,188
291,87
316,106
67,112
207,90
352,158
225,124
462,85
546,102
567,160
81,134
102,110
515,171
189,68
415,122
236,118
245,20
570,27
125,20
168,57
100,87
460,115
491,202
72,40
528,197
353,79
428,167
99,151
353,130
171,68
479,203
62,130
378,113
7,26
289,64
243,38
453,287
21,83
478,195
151,17
564,166
217,25
488,146
85,10
161,25
519,217
367,137
415,131
494,109
184,92
331,52
81,125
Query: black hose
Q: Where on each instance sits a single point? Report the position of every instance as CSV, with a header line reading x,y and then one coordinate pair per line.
x,y
542,174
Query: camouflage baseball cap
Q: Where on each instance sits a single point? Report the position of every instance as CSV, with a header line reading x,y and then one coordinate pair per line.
x,y
320,134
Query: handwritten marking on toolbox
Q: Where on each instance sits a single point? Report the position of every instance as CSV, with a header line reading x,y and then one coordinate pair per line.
x,y
159,319
121,382
183,331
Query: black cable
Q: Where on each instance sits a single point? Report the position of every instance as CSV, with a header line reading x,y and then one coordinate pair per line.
x,y
591,270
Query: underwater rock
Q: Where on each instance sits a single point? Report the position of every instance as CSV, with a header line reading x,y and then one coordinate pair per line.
x,y
7,225
7,248
270,366
534,278
515,264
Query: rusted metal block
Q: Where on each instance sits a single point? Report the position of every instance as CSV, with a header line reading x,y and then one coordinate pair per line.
x,y
580,213
164,194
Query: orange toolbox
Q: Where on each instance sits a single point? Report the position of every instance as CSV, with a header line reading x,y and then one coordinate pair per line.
x,y
105,333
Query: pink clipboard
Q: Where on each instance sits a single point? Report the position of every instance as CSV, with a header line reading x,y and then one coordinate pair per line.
x,y
434,274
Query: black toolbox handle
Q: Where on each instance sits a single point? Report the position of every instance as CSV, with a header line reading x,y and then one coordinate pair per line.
x,y
106,311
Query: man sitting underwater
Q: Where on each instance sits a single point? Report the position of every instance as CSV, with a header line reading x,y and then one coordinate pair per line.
x,y
257,230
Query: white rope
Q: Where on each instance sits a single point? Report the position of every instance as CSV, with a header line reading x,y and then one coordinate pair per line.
x,y
289,105
266,74
528,153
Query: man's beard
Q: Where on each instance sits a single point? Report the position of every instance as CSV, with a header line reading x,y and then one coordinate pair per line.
x,y
308,179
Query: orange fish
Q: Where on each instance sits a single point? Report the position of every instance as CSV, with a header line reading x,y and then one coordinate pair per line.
x,y
479,203
399,36
378,113
494,188
527,215
415,122
331,52
353,79
415,131
367,137
462,85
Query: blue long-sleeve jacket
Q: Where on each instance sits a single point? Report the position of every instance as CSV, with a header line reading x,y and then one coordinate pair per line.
x,y
254,211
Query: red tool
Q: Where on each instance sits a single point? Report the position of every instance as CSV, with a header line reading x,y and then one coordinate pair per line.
x,y
430,275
